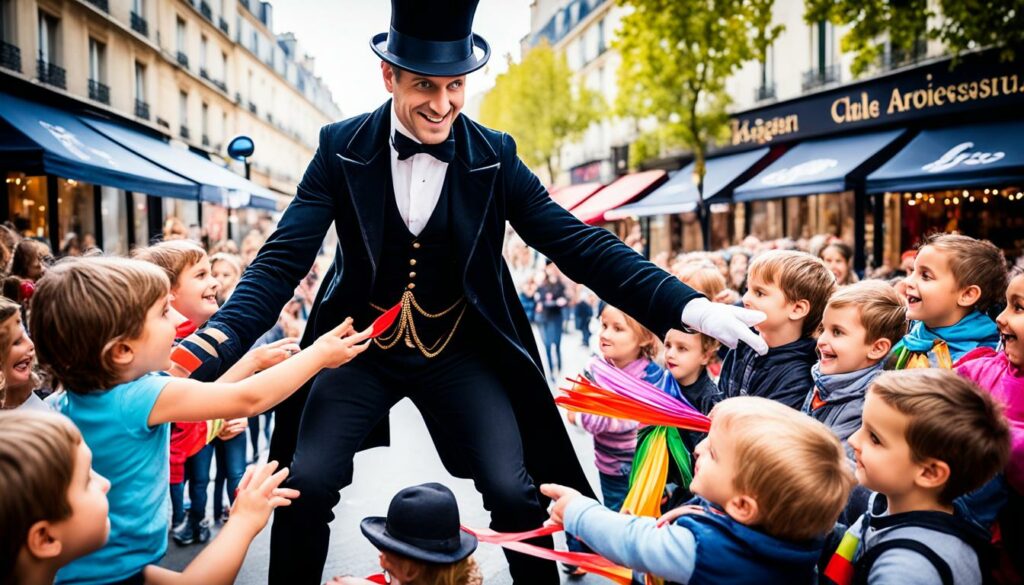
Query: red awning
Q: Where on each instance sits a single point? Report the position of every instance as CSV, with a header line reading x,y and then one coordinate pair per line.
x,y
572,195
621,192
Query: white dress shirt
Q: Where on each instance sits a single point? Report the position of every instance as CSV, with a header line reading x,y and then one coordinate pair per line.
x,y
417,181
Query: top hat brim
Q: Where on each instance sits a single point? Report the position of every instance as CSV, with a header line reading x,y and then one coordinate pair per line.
x,y
375,530
379,44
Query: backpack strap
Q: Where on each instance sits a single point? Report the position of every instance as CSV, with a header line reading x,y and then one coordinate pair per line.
x,y
865,563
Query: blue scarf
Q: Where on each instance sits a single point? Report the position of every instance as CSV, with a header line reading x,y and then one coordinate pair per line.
x,y
973,330
836,387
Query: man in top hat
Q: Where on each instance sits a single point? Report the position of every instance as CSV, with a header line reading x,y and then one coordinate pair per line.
x,y
419,196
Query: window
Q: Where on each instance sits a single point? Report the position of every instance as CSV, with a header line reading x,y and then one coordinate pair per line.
x,y
183,113
137,7
76,213
97,61
48,38
223,66
7,22
180,35
203,45
114,216
140,82
205,120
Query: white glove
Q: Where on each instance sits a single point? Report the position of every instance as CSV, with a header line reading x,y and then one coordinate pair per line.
x,y
726,323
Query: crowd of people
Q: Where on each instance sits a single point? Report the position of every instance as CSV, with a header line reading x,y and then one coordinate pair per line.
x,y
879,439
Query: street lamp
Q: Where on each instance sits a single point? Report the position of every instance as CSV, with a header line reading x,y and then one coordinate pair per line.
x,y
240,148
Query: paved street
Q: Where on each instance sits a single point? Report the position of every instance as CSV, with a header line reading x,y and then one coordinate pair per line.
x,y
379,474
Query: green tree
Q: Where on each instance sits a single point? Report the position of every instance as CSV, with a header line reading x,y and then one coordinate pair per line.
x,y
537,103
960,25
676,57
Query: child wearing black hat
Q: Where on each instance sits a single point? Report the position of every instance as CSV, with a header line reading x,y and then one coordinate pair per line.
x,y
420,541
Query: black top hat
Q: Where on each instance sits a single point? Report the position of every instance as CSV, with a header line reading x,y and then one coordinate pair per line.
x,y
423,524
432,38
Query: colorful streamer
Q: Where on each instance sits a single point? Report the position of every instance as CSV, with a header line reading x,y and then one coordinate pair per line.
x,y
908,360
645,404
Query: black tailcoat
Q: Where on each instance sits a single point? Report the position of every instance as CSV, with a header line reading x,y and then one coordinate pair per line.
x,y
346,183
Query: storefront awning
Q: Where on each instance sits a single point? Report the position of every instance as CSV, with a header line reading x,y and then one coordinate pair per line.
x,y
679,194
826,165
216,183
572,195
972,155
42,139
621,192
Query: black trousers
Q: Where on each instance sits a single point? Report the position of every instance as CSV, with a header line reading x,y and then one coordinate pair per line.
x,y
459,391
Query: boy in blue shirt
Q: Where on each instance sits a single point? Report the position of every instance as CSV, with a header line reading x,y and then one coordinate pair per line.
x,y
104,330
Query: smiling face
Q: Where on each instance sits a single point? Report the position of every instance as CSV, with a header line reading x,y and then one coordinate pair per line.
x,y
226,274
21,356
151,351
426,106
619,343
685,356
836,263
933,295
843,345
1011,322
884,460
195,293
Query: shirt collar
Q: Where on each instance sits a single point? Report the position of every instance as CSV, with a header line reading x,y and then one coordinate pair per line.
x,y
396,125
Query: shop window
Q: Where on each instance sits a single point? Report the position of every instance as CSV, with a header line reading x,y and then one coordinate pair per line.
x,y
766,219
26,197
185,210
76,213
114,215
140,220
215,223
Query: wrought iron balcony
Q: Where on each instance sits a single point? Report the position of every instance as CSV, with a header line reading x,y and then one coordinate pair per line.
x,y
203,73
101,4
238,98
223,25
161,122
221,85
51,74
140,25
270,117
183,132
204,8
206,140
765,92
820,76
142,109
99,92
182,59
10,56
246,4
252,107
896,57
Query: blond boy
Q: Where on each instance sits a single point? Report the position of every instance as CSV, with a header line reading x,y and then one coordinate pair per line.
x,y
860,325
928,437
770,483
791,288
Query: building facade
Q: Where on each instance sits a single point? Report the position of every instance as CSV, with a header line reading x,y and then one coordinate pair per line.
x,y
193,73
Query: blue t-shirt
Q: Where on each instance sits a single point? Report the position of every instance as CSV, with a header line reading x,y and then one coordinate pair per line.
x,y
135,458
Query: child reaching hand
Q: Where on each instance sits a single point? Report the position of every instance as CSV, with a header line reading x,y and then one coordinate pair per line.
x,y
103,330
54,507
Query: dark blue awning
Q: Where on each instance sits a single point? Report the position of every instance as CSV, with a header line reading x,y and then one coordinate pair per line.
x,y
47,140
818,166
679,194
216,183
972,155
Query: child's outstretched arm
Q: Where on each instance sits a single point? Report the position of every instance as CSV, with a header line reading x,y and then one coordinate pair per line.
x,y
258,494
261,358
631,541
184,400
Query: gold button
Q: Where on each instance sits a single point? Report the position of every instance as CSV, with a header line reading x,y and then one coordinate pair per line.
x,y
410,286
412,262
416,245
412,275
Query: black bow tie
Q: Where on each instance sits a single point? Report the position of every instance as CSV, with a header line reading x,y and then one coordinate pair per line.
x,y
406,147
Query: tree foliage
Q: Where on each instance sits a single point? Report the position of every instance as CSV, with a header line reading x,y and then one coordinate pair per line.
x,y
676,57
961,25
537,103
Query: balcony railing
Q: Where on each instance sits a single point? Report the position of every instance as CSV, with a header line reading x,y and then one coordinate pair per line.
x,y
238,98
183,132
204,8
820,76
221,85
101,4
51,74
10,56
161,122
206,140
252,107
223,24
246,4
182,59
142,109
140,25
204,73
270,117
896,57
99,92
765,92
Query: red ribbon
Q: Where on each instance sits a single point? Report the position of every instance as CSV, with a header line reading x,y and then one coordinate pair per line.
x,y
382,323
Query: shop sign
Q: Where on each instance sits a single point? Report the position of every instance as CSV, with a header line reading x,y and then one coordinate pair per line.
x,y
959,155
978,81
72,144
798,173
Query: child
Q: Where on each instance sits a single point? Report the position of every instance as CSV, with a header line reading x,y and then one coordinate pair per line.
x,y
791,288
54,508
102,329
771,482
687,356
927,438
630,347
420,541
227,269
955,280
860,325
17,359
194,291
838,257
